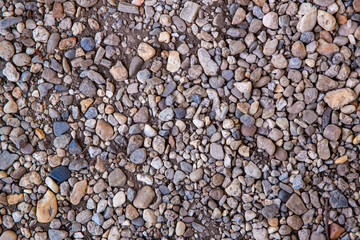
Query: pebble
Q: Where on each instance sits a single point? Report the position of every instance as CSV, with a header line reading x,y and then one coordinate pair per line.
x,y
326,20
119,72
145,51
335,231
295,204
210,67
7,159
216,151
117,178
189,11
60,174
253,171
86,3
104,130
87,43
11,73
144,197
78,192
271,20
46,208
7,50
308,21
339,98
8,235
174,63
279,61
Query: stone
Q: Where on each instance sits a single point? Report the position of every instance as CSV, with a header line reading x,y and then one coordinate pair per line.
x,y
135,65
295,222
10,107
128,8
7,159
41,34
58,10
196,175
30,180
60,128
46,208
11,73
87,43
210,66
74,147
86,3
252,170
326,49
21,59
266,144
217,151
144,197
60,174
295,204
180,228
356,5
308,21
173,63
279,61
119,199
234,189
112,40
159,144
335,231
135,142
57,234
119,71
8,235
145,51
298,50
67,43
326,20
78,192
260,234
190,11
236,47
104,130
270,211
271,20
337,200
138,156
142,116
324,3
117,178
339,98
332,132
244,86
325,83
7,50
9,22
166,115
131,212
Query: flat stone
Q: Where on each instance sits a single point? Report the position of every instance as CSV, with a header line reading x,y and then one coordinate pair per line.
x,y
270,211
53,41
174,62
104,130
8,235
252,170
7,50
87,43
217,151
78,192
144,197
11,107
145,51
62,141
332,132
86,3
60,128
295,204
166,115
117,178
295,222
60,174
308,21
356,5
46,208
234,189
159,144
11,73
266,144
326,20
41,34
298,50
57,234
279,61
180,228
236,47
326,49
67,43
138,156
338,200
142,116
210,66
135,65
135,142
271,20
260,233
325,83
119,71
128,8
7,159
9,22
335,231
339,98
74,147
21,59
190,11
244,86
119,199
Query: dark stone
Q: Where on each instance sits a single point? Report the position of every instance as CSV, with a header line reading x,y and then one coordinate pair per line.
x,y
60,174
179,113
338,200
91,113
74,148
270,211
87,43
284,195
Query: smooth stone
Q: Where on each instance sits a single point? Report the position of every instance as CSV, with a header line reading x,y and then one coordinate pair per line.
x,y
234,189
144,197
87,43
190,11
60,174
57,234
145,51
339,98
210,66
135,65
8,22
7,50
8,235
7,159
74,148
338,200
60,128
11,73
326,20
271,20
217,151
119,71
308,21
174,62
78,192
266,144
104,130
295,204
252,170
86,3
270,211
10,107
138,156
46,208
21,59
117,178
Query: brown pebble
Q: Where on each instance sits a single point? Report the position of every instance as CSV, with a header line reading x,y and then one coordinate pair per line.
x,y
335,231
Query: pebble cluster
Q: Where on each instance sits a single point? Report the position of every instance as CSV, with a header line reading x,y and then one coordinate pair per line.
x,y
213,119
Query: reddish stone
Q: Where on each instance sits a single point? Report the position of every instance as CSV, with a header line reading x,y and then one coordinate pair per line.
x,y
335,231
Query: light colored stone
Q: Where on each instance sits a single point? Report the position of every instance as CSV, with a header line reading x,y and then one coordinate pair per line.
x,y
11,107
11,73
149,217
8,235
104,130
210,66
279,61
7,50
144,197
174,63
78,192
119,199
239,16
339,97
326,20
41,34
46,208
21,59
266,144
234,189
180,228
119,71
271,20
244,86
308,21
145,51
252,170
190,11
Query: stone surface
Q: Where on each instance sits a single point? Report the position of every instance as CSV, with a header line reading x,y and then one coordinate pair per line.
x,y
117,178
60,174
119,72
326,20
7,50
173,63
145,51
190,11
339,98
78,192
7,159
86,3
270,20
144,197
210,67
296,205
308,21
46,208
104,130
